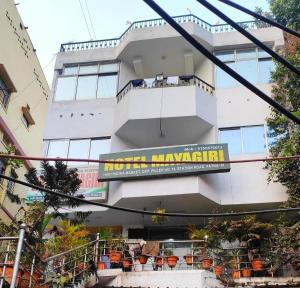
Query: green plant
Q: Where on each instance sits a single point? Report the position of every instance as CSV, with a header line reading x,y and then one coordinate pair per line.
x,y
159,219
168,252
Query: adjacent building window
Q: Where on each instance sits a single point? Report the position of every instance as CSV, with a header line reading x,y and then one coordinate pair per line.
x,y
4,93
253,64
246,140
77,148
83,82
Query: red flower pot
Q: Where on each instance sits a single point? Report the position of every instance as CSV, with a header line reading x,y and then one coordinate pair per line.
x,y
143,259
172,261
188,259
257,264
236,274
206,263
246,272
115,256
159,261
101,266
218,270
126,263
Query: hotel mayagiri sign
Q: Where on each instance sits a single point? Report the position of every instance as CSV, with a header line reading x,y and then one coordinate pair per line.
x,y
124,170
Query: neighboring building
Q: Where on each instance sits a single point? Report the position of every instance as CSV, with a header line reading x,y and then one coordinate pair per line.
x,y
108,96
24,94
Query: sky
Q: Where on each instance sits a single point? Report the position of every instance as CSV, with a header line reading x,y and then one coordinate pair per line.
x,y
52,22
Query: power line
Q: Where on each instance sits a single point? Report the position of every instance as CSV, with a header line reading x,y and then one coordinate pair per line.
x,y
89,15
145,212
219,63
258,16
20,157
249,36
83,14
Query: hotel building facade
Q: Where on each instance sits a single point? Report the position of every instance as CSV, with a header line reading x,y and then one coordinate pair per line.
x,y
150,88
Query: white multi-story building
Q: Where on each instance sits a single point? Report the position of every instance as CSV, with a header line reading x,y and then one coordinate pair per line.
x,y
108,96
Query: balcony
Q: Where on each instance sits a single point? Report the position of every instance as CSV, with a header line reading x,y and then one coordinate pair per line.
x,y
175,110
114,42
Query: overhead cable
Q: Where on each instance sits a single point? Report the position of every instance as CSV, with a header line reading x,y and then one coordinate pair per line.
x,y
243,31
89,15
20,157
86,23
219,63
261,17
145,212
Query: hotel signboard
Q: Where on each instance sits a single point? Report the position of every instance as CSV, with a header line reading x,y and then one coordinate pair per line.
x,y
124,170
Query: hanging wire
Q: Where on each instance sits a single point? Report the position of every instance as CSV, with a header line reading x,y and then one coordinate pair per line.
x,y
145,212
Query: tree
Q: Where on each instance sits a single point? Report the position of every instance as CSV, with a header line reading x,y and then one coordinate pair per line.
x,y
59,178
286,91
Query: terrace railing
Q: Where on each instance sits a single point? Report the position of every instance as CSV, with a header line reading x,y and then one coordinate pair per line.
x,y
114,42
170,81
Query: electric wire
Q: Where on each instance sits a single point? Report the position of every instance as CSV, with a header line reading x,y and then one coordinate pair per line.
x,y
219,63
145,212
243,31
240,161
90,18
86,23
261,17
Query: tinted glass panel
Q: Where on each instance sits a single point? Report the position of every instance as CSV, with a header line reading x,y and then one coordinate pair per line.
x,y
105,68
79,149
99,146
262,53
107,86
223,79
86,87
233,138
254,139
265,67
71,70
225,56
246,54
247,69
88,69
58,148
65,88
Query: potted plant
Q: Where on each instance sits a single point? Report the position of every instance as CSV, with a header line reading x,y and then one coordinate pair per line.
x,y
159,219
170,258
143,259
218,269
188,259
159,261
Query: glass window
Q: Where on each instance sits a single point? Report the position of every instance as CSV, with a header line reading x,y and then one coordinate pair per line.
x,y
58,148
107,86
65,88
106,68
88,69
265,67
4,93
98,147
86,87
45,148
224,80
262,53
70,70
79,149
254,140
248,70
246,54
233,138
225,55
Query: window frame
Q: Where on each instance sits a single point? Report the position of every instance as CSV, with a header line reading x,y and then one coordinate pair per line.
x,y
78,75
265,134
257,57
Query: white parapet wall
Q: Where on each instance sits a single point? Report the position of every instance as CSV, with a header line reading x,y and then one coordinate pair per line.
x,y
161,279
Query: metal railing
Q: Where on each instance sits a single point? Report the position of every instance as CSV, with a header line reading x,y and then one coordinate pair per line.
x,y
109,43
177,81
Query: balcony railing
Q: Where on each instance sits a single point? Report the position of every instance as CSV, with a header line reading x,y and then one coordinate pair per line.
x,y
108,43
171,81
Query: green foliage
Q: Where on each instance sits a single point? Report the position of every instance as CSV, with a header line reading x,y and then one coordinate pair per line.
x,y
57,178
69,236
159,219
